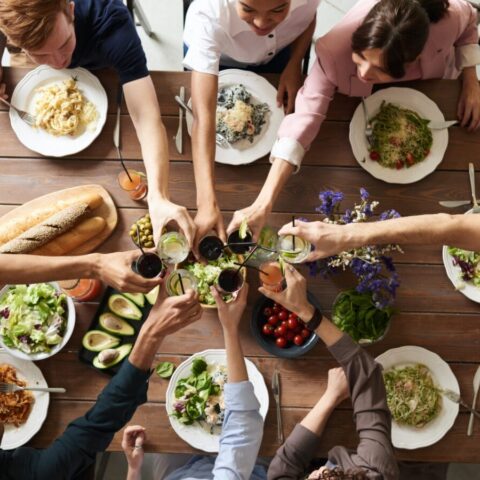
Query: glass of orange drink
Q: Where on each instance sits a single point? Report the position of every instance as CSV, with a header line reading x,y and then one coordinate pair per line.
x,y
137,187
272,276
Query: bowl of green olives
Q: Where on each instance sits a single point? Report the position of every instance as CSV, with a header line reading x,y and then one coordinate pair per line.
x,y
142,229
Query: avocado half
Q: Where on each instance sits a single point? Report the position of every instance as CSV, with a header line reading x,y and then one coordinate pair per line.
x,y
152,295
137,298
114,324
122,351
123,307
97,340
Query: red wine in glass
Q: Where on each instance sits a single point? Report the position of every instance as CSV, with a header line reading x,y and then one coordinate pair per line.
x,y
234,237
148,265
230,280
210,247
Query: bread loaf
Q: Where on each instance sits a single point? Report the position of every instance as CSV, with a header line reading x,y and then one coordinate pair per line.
x,y
47,230
14,227
74,238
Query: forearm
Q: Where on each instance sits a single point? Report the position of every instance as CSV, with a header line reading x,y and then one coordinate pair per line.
x,y
317,418
146,346
134,474
469,76
35,268
236,368
302,44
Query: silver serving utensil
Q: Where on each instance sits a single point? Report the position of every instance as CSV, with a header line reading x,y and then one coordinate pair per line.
x,y
476,387
28,118
276,396
454,203
179,135
471,175
433,125
368,126
11,388
455,397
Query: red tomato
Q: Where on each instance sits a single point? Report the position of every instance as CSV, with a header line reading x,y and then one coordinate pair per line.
x,y
292,315
374,156
292,323
272,320
298,340
410,159
276,333
305,333
426,152
281,342
282,330
283,315
284,324
267,329
399,165
267,311
290,335
276,309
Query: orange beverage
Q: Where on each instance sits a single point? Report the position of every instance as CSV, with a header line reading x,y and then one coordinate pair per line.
x,y
81,290
136,188
272,277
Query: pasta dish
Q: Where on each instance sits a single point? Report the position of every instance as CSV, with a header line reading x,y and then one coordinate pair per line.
x,y
412,397
14,407
401,138
237,117
61,108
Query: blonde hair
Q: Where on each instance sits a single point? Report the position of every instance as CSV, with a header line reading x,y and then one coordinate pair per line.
x,y
28,23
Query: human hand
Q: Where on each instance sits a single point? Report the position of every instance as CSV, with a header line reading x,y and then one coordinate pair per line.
x,y
294,297
290,83
231,313
327,238
256,217
163,211
3,86
468,110
337,387
115,269
134,437
207,219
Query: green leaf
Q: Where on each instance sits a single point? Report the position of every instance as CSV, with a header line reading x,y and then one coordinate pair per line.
x,y
165,369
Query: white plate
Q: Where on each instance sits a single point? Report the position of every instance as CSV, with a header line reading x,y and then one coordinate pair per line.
x,y
406,98
454,274
68,333
39,140
195,435
243,152
14,437
410,437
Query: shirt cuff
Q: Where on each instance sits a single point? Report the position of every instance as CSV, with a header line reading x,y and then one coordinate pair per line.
x,y
290,150
194,60
240,397
132,377
467,56
344,349
304,440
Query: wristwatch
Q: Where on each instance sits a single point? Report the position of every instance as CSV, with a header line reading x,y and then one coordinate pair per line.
x,y
315,321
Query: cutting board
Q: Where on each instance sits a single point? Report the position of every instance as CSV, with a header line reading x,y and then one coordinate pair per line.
x,y
107,210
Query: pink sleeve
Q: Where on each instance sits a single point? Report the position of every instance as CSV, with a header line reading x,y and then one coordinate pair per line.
x,y
468,23
313,99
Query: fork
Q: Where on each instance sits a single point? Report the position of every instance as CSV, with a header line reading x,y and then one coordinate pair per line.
x,y
25,116
471,175
476,386
455,397
12,388
368,124
276,396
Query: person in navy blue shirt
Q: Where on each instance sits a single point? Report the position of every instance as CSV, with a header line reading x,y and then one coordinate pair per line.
x,y
95,34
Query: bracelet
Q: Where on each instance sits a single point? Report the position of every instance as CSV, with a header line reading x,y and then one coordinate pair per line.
x,y
315,321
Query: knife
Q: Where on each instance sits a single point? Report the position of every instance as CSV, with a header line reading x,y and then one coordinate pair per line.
x,y
276,396
116,130
441,125
476,386
179,135
454,203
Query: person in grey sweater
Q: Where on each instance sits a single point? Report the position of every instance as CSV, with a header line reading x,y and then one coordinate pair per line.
x,y
359,377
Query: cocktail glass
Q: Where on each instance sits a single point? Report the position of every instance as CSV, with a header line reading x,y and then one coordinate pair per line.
x,y
229,281
235,238
272,276
210,247
137,187
293,250
149,265
173,248
174,285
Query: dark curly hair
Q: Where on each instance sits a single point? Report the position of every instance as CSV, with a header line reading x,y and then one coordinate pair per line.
x,y
400,29
338,473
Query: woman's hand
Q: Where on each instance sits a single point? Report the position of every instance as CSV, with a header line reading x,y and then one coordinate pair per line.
x,y
132,444
231,313
337,386
289,85
256,218
468,111
208,219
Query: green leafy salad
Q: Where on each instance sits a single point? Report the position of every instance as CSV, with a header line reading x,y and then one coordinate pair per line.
x,y
206,276
401,138
412,396
469,264
199,397
33,318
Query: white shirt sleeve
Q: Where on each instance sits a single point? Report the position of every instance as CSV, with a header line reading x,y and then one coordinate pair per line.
x,y
467,56
201,36
289,150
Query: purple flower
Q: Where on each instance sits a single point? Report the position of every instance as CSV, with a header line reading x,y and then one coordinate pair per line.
x,y
329,200
364,194
347,217
387,214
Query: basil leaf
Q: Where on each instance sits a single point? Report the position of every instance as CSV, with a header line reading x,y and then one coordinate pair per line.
x,y
165,369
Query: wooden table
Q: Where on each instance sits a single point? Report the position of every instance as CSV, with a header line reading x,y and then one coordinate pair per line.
x,y
431,313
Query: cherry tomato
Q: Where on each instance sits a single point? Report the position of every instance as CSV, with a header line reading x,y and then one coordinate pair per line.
x,y
426,152
410,160
267,329
298,340
290,335
283,315
267,311
276,333
399,165
276,309
284,324
292,323
292,315
305,333
282,330
272,320
281,342
374,156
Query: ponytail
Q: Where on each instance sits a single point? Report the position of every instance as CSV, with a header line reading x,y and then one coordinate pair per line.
x,y
436,9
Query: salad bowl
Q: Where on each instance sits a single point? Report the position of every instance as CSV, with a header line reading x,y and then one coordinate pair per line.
x,y
30,331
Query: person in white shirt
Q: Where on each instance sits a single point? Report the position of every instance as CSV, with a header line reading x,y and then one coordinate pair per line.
x,y
267,36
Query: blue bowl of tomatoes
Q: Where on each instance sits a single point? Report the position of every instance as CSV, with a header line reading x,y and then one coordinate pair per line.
x,y
279,331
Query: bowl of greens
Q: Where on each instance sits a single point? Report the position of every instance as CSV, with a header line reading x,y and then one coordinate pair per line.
x,y
36,320
356,314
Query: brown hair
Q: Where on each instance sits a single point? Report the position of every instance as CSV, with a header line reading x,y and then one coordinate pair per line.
x,y
400,29
338,473
28,23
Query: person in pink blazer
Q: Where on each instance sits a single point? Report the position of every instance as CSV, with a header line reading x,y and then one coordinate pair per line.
x,y
376,42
